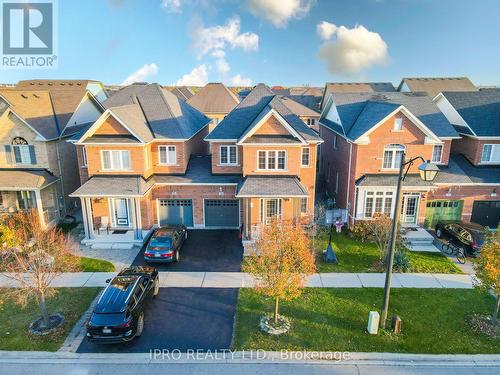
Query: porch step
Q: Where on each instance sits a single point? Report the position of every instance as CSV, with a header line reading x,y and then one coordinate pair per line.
x,y
423,248
110,245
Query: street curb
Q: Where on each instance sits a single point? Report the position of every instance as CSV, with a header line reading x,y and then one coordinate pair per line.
x,y
257,357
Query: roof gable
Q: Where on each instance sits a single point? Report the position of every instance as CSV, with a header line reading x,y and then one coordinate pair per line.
x,y
434,85
214,98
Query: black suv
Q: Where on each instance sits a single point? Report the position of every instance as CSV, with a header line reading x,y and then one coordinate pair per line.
x,y
118,315
468,236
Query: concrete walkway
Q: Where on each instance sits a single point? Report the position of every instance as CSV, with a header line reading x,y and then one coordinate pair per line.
x,y
243,280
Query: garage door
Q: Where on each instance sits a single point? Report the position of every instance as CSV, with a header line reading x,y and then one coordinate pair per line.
x,y
437,210
222,213
486,213
176,211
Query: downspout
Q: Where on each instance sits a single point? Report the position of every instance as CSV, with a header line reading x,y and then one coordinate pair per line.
x,y
349,180
58,157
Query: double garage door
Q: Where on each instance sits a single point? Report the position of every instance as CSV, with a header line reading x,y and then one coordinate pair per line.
x,y
219,213
486,213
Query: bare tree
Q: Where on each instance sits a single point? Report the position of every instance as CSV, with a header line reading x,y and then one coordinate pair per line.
x,y
33,256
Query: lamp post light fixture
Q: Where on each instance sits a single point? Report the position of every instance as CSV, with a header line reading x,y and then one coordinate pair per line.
x,y
428,172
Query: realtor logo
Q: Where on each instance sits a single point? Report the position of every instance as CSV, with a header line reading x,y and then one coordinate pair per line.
x,y
28,34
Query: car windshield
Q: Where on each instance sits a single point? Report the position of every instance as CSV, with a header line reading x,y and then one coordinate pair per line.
x,y
161,241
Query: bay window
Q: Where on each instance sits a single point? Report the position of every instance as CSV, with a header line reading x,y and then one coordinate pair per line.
x,y
271,160
378,202
167,155
115,160
392,156
228,155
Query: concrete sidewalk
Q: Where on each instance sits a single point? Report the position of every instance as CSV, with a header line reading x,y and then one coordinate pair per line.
x,y
243,280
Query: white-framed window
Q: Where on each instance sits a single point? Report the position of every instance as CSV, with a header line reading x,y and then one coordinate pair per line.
x,y
269,209
378,201
305,159
392,156
115,160
228,155
491,153
271,160
311,122
23,152
335,141
303,205
398,124
167,155
437,153
84,156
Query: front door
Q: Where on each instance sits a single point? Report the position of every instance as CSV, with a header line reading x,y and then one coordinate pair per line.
x,y
409,209
121,212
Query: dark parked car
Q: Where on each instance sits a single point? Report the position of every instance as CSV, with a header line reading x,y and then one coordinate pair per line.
x,y
165,244
119,313
468,236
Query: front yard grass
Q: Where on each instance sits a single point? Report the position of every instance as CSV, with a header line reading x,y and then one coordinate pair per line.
x,y
335,319
94,265
356,256
15,320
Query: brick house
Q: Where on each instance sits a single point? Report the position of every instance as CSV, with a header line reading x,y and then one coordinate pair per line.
x,y
150,161
37,164
365,134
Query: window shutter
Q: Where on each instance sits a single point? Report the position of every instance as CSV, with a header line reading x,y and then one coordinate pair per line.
x,y
32,154
8,154
17,155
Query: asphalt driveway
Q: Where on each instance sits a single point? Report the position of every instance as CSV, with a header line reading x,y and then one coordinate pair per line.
x,y
204,251
181,318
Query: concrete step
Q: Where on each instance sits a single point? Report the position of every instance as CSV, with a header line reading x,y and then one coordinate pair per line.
x,y
423,248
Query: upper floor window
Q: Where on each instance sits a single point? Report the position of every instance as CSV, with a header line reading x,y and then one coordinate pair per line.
x,y
398,124
272,160
437,153
228,155
311,121
167,155
392,156
23,152
305,157
491,153
115,160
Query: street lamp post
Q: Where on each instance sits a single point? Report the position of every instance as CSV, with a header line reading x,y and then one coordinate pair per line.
x,y
428,172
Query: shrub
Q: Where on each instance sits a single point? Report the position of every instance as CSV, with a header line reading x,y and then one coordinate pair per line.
x,y
361,231
401,261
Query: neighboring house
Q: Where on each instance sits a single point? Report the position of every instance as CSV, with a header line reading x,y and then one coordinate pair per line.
x,y
274,154
365,134
307,96
37,165
214,100
182,92
310,117
434,85
333,87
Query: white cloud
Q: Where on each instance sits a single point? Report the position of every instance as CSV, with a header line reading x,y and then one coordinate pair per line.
x,y
326,29
238,80
197,77
353,50
172,6
215,39
222,66
280,12
140,75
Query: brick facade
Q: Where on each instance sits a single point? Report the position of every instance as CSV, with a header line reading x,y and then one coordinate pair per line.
x,y
471,148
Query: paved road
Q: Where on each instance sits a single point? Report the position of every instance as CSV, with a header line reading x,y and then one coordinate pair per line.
x,y
181,318
244,369
205,251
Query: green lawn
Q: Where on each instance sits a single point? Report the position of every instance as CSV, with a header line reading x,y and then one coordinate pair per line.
x,y
95,265
14,320
356,256
433,321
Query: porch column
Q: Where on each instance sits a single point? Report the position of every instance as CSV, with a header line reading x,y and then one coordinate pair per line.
x,y
88,222
39,207
136,208
248,224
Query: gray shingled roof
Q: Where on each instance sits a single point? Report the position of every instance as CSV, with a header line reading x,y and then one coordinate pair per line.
x,y
459,171
298,108
359,112
214,98
102,186
479,109
157,112
261,99
271,186
434,85
25,179
331,87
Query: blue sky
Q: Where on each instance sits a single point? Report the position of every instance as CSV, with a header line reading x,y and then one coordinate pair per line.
x,y
253,41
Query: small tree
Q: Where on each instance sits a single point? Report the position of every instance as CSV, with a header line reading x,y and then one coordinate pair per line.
x,y
379,228
33,256
281,261
487,268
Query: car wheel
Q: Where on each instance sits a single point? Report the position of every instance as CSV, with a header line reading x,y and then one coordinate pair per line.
x,y
176,256
439,233
156,287
140,325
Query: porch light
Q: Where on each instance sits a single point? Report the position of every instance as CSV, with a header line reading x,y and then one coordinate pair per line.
x,y
428,171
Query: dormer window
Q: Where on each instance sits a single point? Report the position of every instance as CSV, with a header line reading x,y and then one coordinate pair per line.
x,y
228,155
398,124
392,156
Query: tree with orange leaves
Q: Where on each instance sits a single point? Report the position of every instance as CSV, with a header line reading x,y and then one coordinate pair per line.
x,y
32,256
281,261
487,268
